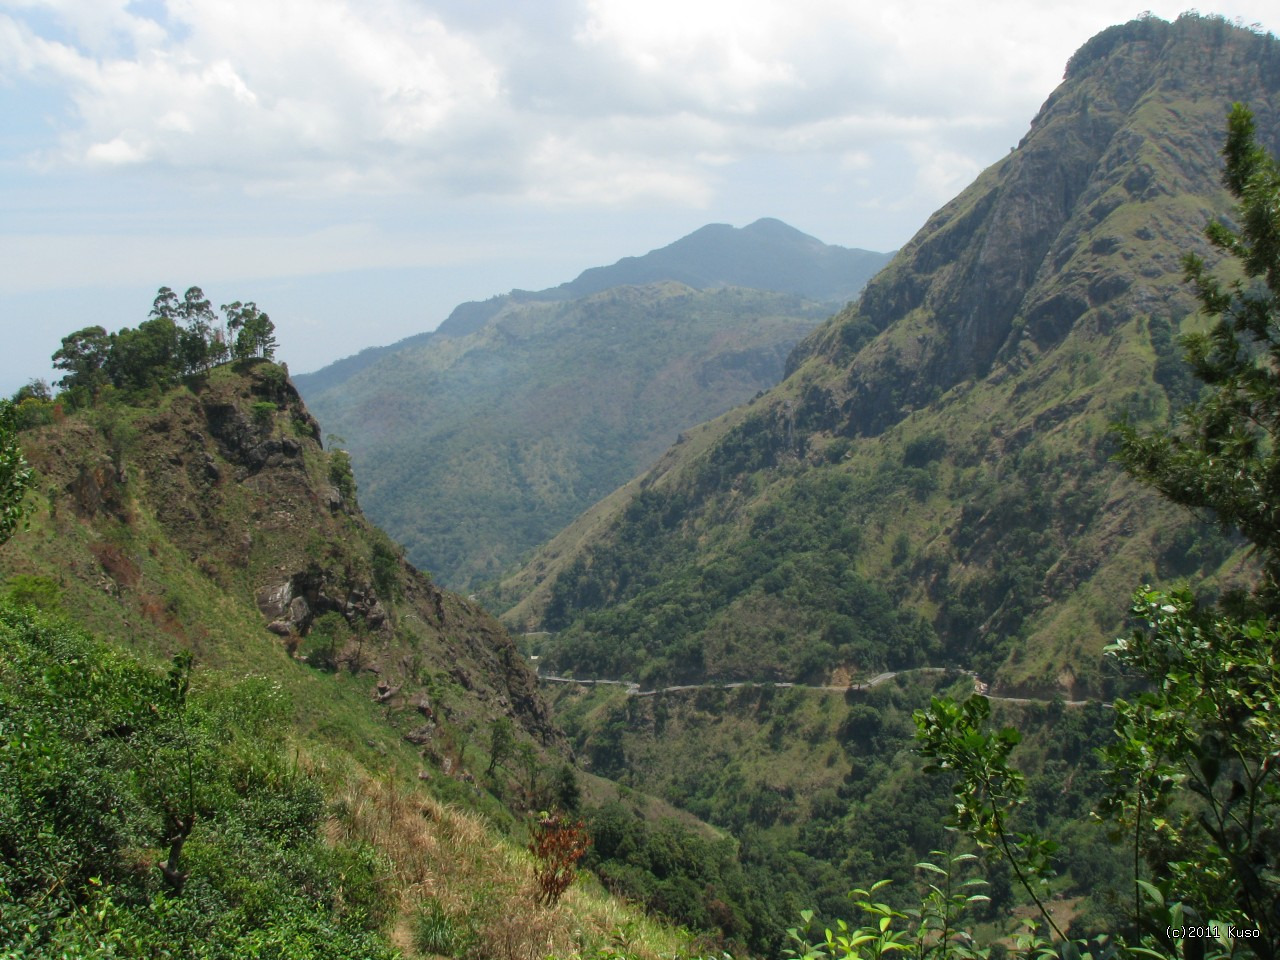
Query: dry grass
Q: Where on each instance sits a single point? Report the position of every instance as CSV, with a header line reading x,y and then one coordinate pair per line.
x,y
452,859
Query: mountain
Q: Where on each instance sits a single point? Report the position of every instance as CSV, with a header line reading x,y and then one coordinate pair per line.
x,y
215,522
927,496
765,255
477,442
931,483
230,665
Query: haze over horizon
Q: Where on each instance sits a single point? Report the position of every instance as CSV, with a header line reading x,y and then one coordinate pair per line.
x,y
358,169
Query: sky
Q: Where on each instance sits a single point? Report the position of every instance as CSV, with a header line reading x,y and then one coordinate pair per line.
x,y
359,167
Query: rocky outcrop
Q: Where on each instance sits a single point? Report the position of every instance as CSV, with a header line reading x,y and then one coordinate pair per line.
x,y
292,603
1119,163
218,509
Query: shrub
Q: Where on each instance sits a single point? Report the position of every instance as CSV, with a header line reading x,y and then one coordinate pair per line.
x,y
557,846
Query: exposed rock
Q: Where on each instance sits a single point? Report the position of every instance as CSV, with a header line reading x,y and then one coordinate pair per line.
x,y
421,735
273,599
331,498
96,489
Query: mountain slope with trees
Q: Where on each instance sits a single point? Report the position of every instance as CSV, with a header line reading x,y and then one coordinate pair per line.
x,y
235,721
765,255
478,442
932,482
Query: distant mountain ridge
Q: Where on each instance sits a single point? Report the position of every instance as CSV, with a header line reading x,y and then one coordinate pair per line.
x,y
476,442
764,255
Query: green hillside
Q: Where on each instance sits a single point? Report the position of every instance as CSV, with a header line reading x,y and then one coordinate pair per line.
x,y
931,484
471,449
235,721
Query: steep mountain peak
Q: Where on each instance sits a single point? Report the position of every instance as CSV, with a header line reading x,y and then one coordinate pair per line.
x,y
1118,169
765,255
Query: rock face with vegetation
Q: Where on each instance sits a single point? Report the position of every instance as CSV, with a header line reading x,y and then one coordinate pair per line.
x,y
212,520
478,442
932,482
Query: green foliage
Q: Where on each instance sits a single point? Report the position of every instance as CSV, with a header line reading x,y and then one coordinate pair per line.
x,y
146,357
22,589
1171,371
180,338
263,413
325,640
685,876
437,932
15,475
143,814
252,332
384,559
988,789
1224,456
340,475
1194,771
33,405
781,597
936,928
568,793
502,741
83,355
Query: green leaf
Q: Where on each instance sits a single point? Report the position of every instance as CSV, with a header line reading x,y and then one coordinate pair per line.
x,y
1152,891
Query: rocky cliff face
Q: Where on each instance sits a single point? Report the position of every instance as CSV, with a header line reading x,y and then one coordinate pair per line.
x,y
1084,222
213,520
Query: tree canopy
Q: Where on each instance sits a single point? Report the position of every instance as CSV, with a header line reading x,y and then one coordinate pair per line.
x,y
181,337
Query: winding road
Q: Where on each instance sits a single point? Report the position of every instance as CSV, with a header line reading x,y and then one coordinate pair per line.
x,y
633,689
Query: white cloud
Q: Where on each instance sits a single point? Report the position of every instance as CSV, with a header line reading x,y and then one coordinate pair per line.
x,y
593,101
497,142
249,88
